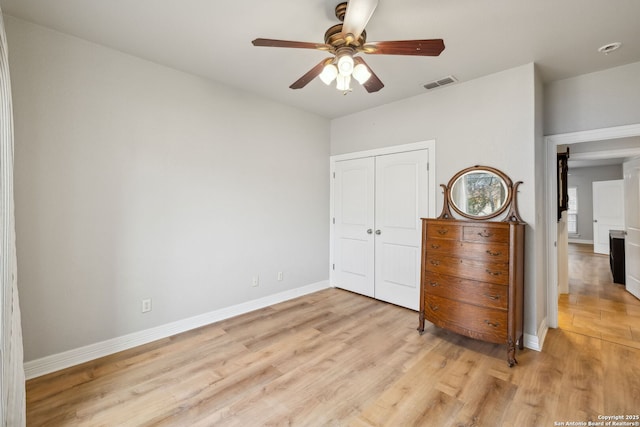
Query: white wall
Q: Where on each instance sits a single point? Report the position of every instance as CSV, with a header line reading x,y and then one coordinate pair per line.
x,y
592,101
488,121
137,181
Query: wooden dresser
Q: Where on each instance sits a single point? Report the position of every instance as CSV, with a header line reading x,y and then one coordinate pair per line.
x,y
472,279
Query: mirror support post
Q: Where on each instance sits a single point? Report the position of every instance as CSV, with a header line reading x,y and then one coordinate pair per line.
x,y
513,214
446,211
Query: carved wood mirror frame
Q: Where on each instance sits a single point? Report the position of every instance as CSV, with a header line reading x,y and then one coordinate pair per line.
x,y
510,199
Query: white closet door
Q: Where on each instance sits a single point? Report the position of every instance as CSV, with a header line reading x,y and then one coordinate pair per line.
x,y
632,219
401,200
354,222
608,212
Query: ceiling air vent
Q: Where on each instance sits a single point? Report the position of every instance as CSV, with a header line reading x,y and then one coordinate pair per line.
x,y
440,82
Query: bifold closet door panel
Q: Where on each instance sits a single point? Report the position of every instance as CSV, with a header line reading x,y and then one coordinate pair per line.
x,y
354,206
401,199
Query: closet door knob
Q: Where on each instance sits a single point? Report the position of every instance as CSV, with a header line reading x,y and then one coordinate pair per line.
x,y
378,232
369,231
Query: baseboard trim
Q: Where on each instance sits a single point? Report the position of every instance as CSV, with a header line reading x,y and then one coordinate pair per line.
x,y
56,362
535,342
583,241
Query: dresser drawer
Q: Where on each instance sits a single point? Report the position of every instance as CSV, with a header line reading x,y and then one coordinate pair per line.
x,y
493,252
471,320
444,231
486,234
469,291
483,271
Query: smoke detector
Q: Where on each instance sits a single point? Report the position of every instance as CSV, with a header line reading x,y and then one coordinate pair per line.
x,y
608,48
440,82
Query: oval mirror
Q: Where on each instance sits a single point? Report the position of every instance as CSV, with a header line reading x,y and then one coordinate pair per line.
x,y
480,192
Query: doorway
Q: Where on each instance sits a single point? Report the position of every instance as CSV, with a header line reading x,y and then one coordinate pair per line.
x,y
597,137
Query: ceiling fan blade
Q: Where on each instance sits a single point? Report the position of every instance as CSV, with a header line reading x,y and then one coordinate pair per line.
x,y
311,74
288,43
431,47
357,16
374,84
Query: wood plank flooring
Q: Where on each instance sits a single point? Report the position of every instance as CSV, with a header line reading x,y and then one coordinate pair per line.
x,y
595,306
334,358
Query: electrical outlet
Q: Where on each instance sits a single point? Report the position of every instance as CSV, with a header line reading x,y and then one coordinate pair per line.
x,y
280,276
255,281
146,305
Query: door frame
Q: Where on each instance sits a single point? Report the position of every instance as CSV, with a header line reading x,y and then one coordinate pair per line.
x,y
551,144
629,278
429,145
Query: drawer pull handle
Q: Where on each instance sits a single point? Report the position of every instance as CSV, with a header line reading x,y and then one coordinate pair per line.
x,y
434,262
494,253
493,273
434,284
434,246
485,233
442,231
493,297
434,307
495,325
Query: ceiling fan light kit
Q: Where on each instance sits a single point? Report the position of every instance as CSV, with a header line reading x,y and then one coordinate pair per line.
x,y
361,73
343,83
345,41
345,61
329,74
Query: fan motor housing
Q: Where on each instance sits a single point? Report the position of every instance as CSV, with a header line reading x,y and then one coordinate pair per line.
x,y
334,37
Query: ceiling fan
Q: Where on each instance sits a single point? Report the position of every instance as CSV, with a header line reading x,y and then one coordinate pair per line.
x,y
348,39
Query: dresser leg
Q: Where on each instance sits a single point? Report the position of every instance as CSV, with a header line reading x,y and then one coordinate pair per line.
x,y
511,353
421,323
521,342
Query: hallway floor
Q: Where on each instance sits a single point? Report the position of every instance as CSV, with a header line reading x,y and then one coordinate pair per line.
x,y
595,306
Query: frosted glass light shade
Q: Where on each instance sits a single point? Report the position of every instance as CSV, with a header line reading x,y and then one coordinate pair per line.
x,y
343,82
345,65
361,73
328,74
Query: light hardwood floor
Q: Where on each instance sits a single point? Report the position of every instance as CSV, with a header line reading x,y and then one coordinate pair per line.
x,y
336,358
595,306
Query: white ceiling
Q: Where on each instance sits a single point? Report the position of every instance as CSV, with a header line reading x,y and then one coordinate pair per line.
x,y
602,153
213,39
